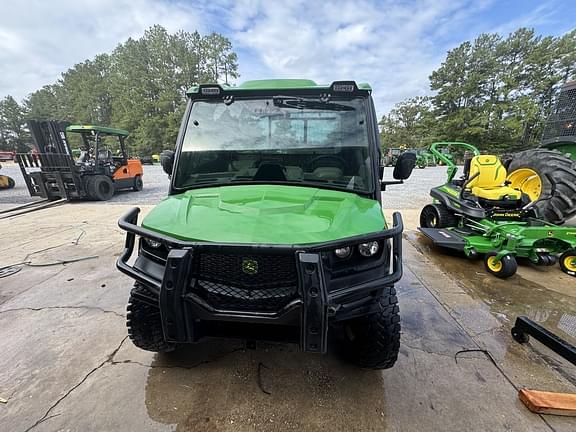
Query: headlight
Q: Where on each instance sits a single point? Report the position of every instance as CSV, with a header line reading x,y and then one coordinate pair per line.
x,y
368,249
152,243
343,252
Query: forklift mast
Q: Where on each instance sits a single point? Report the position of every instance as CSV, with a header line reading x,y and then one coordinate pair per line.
x,y
51,173
50,136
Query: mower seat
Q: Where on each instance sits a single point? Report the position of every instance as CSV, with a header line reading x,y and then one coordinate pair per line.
x,y
487,179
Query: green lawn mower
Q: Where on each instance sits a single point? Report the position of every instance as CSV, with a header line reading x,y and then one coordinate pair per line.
x,y
481,214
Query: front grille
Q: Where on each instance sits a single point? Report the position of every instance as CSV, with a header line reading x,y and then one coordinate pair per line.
x,y
246,282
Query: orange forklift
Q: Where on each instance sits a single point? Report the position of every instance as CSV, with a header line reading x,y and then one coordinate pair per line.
x,y
101,168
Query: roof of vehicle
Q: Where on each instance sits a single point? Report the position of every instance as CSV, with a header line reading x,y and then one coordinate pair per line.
x,y
278,84
100,129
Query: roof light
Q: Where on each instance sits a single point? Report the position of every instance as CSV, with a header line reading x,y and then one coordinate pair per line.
x,y
210,91
344,86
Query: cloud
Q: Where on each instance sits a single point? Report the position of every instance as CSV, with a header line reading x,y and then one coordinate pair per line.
x,y
41,39
392,45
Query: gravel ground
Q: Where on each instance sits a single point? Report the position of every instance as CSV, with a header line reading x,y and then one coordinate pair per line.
x,y
155,187
412,194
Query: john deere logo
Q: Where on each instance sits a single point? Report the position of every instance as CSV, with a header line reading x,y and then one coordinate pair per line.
x,y
550,234
249,266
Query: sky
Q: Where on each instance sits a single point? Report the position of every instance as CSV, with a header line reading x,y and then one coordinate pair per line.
x,y
393,45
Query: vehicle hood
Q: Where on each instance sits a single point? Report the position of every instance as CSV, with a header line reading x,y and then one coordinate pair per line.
x,y
269,214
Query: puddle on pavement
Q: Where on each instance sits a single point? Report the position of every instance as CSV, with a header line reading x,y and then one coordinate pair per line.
x,y
261,389
508,298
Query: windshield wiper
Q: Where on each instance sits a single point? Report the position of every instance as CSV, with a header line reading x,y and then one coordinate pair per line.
x,y
301,103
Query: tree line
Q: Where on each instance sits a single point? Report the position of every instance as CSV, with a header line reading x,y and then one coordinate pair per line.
x,y
495,92
139,87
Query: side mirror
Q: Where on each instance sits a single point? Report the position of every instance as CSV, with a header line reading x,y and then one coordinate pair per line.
x,y
404,165
167,161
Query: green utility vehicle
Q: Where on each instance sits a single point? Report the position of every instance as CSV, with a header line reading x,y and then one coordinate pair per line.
x,y
548,173
481,214
273,228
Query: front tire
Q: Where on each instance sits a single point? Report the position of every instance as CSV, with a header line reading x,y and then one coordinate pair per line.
x,y
100,187
568,262
373,341
506,267
437,216
143,321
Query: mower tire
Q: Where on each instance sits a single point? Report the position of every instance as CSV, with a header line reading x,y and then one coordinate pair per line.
x,y
506,267
548,175
437,216
100,187
568,262
143,321
138,184
373,341
545,259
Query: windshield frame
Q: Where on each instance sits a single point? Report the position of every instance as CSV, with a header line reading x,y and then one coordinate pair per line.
x,y
373,142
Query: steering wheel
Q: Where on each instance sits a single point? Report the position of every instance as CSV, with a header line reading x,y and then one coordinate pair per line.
x,y
340,162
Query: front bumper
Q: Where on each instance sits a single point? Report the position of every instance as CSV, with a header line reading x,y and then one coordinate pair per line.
x,y
311,309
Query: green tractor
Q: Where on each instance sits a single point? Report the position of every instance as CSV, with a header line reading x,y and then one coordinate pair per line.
x,y
547,174
424,158
481,214
273,227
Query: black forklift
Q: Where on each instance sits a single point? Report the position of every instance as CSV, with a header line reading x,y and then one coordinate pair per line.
x,y
52,172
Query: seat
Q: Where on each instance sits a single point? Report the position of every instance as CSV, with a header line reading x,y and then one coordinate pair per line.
x,y
104,154
487,179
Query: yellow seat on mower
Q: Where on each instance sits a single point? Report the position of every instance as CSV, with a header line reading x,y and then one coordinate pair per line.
x,y
487,179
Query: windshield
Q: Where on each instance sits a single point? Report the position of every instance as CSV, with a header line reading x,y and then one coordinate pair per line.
x,y
280,139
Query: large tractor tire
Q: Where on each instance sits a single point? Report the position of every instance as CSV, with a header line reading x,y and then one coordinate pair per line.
x,y
548,177
100,187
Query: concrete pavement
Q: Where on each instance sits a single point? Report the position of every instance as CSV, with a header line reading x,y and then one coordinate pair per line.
x,y
66,363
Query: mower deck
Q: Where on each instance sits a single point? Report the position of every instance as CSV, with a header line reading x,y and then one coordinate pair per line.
x,y
444,238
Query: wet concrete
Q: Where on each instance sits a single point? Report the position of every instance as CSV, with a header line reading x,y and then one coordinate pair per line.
x,y
66,363
544,294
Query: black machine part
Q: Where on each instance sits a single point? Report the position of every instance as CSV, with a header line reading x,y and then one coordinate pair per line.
x,y
525,327
51,173
444,238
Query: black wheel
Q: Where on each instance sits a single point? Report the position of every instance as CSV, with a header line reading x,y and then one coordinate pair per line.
x,y
100,187
568,262
437,216
545,259
138,184
11,183
520,336
373,341
548,177
504,268
143,321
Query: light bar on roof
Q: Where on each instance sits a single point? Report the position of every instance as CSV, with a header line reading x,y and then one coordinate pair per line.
x,y
343,87
210,91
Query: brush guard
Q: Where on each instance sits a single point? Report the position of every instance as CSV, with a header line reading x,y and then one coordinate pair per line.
x,y
311,308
